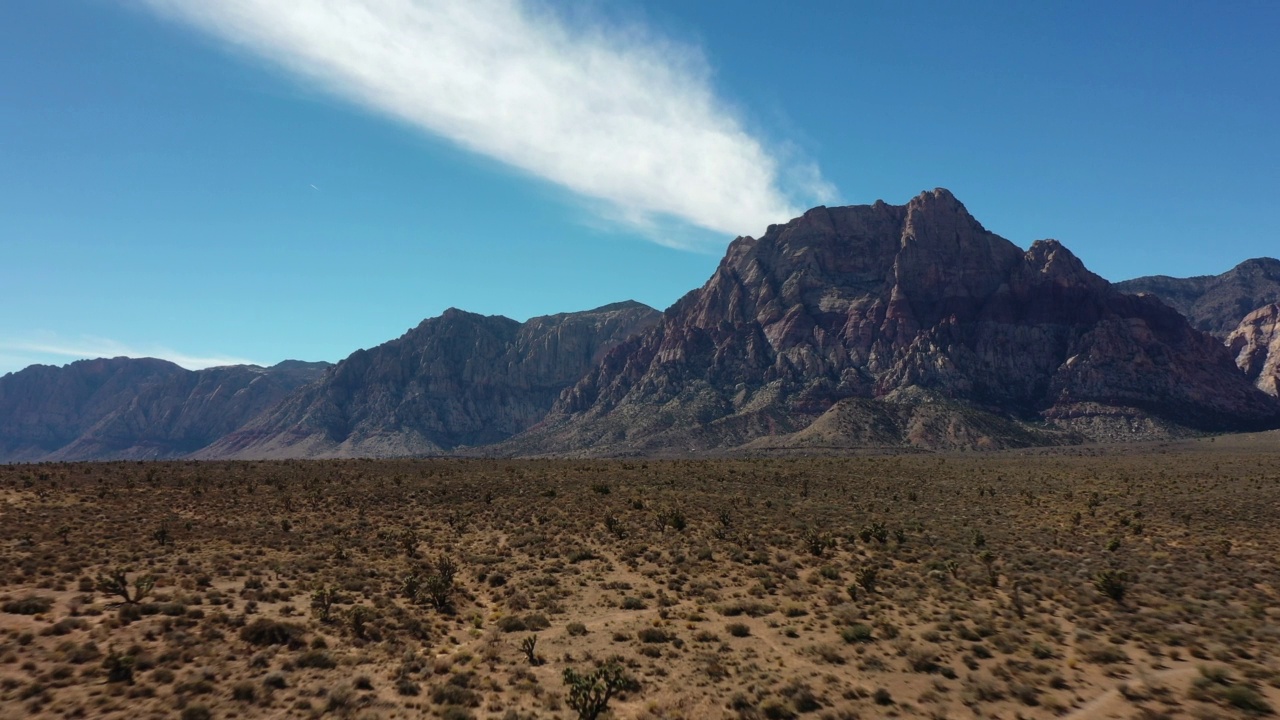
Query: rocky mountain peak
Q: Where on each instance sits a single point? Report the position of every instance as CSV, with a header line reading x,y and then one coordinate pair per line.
x,y
885,303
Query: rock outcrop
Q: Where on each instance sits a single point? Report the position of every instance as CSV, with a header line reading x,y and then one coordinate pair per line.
x,y
458,379
126,408
1256,347
1215,304
874,302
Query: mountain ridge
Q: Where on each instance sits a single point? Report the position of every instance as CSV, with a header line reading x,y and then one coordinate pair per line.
x,y
1215,304
866,326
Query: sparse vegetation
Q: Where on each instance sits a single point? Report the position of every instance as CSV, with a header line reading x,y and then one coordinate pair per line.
x,y
817,587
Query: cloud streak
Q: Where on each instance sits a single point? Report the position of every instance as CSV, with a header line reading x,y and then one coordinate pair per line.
x,y
614,114
90,348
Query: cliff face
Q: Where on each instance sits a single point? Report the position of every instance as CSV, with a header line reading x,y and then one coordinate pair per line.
x,y
896,304
1256,347
1215,304
125,408
459,379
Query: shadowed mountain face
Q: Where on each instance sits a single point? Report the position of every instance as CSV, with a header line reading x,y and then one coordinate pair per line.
x,y
1215,304
459,379
126,408
914,305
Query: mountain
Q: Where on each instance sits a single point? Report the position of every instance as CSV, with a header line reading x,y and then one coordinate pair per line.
x,y
904,325
1215,304
1255,343
458,379
127,408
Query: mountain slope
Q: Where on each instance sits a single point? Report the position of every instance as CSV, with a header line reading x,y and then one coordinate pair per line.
x,y
126,408
1215,304
871,301
458,379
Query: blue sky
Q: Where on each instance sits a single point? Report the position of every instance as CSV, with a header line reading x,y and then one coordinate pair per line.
x,y
254,180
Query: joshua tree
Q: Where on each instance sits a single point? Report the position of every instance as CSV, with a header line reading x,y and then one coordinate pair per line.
x,y
162,536
322,602
1112,583
589,694
867,578
409,542
988,559
117,583
358,617
529,646
818,542
438,586
412,585
614,526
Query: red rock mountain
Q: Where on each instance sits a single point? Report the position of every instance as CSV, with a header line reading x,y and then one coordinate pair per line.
x,y
458,379
907,324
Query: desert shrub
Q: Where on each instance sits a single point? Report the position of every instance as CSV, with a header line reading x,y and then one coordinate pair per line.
x,y
516,623
341,698
777,709
196,712
65,626
857,633
751,608
653,635
119,667
29,605
1246,698
737,629
576,629
316,658
271,632
451,694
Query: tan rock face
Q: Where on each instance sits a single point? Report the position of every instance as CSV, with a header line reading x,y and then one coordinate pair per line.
x,y
865,301
1256,347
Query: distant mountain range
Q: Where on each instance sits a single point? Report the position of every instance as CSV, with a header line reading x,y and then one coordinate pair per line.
x,y
872,326
128,408
1215,304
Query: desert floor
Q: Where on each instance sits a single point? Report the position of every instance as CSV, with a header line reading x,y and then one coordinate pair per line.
x,y
1122,582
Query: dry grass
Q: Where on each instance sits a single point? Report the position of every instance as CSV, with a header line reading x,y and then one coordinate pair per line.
x,y
915,586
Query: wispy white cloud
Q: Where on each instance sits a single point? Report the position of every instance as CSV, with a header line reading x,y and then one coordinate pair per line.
x,y
91,347
613,113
